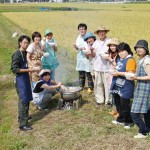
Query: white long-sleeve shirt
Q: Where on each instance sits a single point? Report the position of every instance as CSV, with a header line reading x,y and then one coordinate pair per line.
x,y
100,47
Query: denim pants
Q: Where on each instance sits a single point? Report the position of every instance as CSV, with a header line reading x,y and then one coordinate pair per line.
x,y
144,125
52,74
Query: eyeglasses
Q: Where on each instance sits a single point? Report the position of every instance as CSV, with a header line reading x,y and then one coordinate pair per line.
x,y
25,42
81,29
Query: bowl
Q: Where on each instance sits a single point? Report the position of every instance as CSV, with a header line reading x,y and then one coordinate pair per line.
x,y
51,44
129,75
37,68
86,51
81,47
46,54
104,55
110,70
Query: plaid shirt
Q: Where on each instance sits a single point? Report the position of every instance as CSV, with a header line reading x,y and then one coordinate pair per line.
x,y
141,102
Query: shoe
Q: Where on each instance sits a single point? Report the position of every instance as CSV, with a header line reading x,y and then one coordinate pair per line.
x,y
89,91
40,108
128,125
113,112
108,105
99,104
82,88
29,118
25,128
45,108
117,123
140,136
116,115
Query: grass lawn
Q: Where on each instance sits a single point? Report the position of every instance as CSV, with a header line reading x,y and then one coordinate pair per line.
x,y
88,128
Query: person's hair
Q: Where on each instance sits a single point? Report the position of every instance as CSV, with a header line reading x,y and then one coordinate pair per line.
x,y
36,34
21,38
82,25
45,74
147,52
113,54
94,38
126,47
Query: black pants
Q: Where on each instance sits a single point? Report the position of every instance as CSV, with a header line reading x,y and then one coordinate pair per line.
x,y
82,78
144,125
23,111
123,107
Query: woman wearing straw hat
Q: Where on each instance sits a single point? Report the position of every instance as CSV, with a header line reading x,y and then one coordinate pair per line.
x,y
112,57
101,66
141,101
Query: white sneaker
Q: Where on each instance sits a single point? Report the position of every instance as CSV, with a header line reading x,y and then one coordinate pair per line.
x,y
116,122
140,136
127,127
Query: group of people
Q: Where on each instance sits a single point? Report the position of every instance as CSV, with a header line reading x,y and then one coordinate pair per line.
x,y
41,58
107,63
111,73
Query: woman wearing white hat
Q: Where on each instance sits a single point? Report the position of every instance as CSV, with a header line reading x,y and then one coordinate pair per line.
x,y
44,89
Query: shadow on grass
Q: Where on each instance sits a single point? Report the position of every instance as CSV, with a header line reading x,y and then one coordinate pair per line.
x,y
39,114
53,105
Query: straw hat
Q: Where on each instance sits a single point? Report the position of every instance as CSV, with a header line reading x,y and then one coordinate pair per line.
x,y
113,41
142,43
101,28
43,71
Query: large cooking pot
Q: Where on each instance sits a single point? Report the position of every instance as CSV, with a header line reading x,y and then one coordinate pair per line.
x,y
71,93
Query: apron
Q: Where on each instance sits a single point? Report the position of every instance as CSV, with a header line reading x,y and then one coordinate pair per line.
x,y
38,93
23,83
120,85
50,62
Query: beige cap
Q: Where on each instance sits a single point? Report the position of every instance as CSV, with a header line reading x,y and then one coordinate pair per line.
x,y
113,41
101,28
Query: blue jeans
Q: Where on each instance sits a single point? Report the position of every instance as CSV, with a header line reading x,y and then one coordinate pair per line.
x,y
52,74
33,83
144,125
